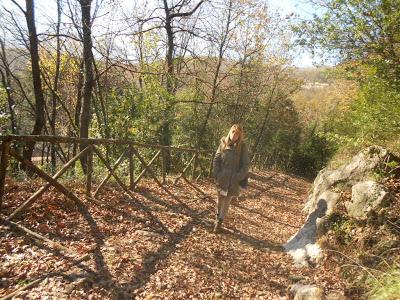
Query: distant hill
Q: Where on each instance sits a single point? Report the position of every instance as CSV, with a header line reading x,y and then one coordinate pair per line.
x,y
314,75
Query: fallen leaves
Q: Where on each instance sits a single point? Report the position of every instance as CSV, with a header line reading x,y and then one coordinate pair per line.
x,y
158,246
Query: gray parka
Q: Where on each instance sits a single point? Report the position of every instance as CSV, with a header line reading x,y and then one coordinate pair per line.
x,y
230,167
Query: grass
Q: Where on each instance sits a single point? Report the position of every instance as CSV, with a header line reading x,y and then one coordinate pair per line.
x,y
388,287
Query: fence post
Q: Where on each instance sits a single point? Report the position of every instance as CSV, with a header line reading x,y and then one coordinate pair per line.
x,y
195,164
89,172
131,168
5,147
74,151
210,173
163,166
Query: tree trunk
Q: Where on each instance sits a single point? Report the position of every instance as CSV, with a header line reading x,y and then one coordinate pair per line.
x,y
55,89
169,56
85,115
261,132
5,79
170,15
170,86
77,111
104,114
37,83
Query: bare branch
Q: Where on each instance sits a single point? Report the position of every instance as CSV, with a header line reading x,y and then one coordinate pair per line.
x,y
19,6
186,14
60,35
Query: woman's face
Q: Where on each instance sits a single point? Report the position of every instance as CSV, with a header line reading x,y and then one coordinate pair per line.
x,y
234,134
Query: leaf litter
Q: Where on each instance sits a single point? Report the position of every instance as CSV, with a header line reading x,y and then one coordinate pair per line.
x,y
159,245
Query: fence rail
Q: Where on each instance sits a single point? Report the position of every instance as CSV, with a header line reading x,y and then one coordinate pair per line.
x,y
90,149
93,141
96,154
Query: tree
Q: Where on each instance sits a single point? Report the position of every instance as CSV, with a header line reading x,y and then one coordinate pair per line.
x,y
176,72
222,37
6,82
36,77
85,115
363,36
357,30
172,12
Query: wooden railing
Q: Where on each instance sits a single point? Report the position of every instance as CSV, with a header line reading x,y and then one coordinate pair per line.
x,y
106,151
200,161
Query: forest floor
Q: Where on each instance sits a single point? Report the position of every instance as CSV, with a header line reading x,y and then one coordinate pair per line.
x,y
159,245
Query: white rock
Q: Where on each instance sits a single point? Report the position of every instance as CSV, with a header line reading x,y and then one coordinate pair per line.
x,y
322,200
299,257
365,196
314,252
306,292
361,167
308,233
331,199
335,296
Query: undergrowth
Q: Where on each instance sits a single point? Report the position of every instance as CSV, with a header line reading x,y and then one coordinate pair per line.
x,y
368,250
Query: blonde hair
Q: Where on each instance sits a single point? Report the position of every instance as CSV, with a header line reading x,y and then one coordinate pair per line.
x,y
226,140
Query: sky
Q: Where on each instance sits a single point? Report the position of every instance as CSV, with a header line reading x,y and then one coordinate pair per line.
x,y
285,7
305,11
300,7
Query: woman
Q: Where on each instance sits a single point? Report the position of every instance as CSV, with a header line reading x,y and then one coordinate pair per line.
x,y
231,165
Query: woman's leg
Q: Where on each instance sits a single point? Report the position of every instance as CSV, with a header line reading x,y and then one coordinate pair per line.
x,y
222,210
220,205
224,207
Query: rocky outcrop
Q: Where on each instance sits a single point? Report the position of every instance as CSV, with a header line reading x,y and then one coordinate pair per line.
x,y
312,292
367,195
360,168
303,245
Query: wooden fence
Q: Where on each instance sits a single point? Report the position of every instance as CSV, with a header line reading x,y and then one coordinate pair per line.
x,y
200,162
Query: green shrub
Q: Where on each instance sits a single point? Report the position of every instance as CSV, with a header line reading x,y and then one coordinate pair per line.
x,y
312,154
372,118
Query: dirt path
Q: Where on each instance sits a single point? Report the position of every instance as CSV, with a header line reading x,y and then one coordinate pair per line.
x,y
159,246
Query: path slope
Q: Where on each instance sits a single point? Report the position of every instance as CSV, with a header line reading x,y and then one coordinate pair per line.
x,y
159,246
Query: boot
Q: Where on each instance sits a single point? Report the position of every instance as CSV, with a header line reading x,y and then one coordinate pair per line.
x,y
218,226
